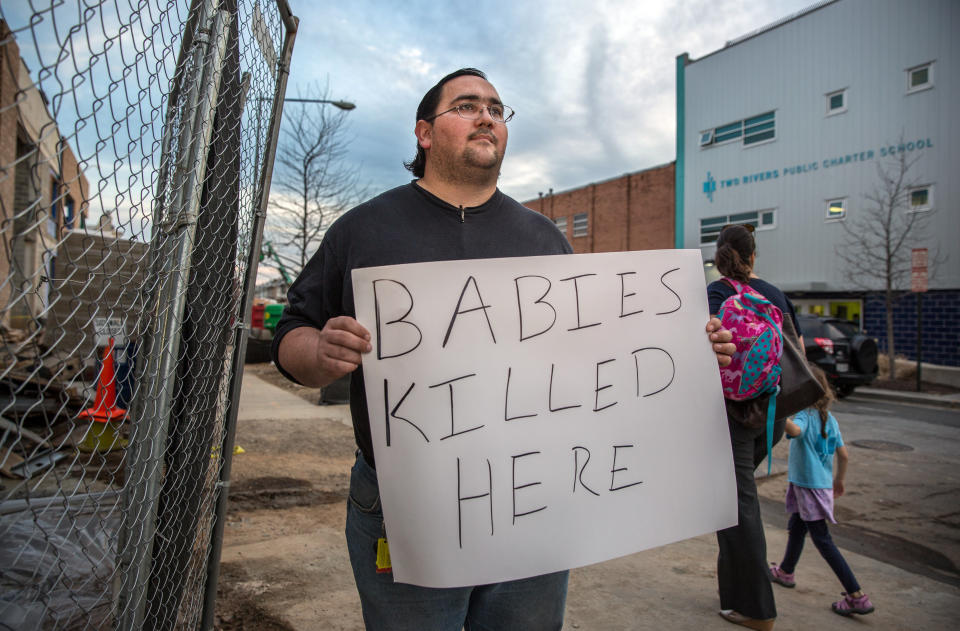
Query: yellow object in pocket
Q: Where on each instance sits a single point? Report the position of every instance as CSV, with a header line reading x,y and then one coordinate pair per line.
x,y
383,556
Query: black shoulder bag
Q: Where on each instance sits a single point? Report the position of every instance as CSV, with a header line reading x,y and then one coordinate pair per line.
x,y
799,389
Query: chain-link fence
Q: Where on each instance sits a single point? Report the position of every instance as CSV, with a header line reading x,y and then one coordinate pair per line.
x,y
136,145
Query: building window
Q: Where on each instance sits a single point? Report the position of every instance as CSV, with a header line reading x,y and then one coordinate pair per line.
x,y
710,227
758,129
68,211
580,225
751,130
920,77
728,132
836,209
921,198
561,224
52,218
836,102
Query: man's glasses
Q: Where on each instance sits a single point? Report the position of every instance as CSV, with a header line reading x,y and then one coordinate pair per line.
x,y
471,111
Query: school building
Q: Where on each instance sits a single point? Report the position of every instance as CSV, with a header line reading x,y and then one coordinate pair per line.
x,y
807,129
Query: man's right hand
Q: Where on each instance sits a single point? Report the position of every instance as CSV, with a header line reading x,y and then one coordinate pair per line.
x,y
319,357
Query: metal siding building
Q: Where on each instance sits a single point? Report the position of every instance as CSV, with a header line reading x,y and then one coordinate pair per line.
x,y
865,51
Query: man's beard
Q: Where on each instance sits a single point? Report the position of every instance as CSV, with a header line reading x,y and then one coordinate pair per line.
x,y
473,165
476,158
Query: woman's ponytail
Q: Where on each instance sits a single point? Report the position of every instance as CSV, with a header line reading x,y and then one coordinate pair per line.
x,y
735,246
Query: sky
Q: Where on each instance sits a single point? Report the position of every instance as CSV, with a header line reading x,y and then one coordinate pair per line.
x,y
592,82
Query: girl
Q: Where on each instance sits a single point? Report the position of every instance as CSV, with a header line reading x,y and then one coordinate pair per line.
x,y
814,437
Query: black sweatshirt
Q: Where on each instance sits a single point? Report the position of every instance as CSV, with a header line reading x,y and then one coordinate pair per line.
x,y
405,225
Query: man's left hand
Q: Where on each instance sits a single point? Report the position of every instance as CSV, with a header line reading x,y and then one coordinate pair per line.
x,y
720,337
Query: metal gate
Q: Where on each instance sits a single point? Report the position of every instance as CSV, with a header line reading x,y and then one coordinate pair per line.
x,y
136,145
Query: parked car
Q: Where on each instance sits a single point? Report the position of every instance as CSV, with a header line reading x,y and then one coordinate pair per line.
x,y
841,349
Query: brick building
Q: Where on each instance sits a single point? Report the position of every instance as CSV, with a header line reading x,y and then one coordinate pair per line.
x,y
43,192
631,212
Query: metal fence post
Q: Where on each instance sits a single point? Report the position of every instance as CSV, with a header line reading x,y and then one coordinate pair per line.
x,y
263,194
173,245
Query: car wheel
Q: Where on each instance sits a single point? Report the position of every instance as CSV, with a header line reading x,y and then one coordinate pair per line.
x,y
864,354
845,390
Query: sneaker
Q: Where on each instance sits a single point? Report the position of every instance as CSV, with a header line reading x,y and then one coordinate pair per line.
x,y
850,605
751,623
779,576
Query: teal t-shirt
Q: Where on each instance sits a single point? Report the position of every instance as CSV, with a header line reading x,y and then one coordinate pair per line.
x,y
811,455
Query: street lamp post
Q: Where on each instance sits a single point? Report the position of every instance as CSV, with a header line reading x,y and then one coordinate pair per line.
x,y
343,105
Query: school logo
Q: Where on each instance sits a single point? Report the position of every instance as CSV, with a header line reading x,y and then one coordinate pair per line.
x,y
709,186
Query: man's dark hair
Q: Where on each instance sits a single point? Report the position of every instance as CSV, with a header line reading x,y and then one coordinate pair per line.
x,y
428,107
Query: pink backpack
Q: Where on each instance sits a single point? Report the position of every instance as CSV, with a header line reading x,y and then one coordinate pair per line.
x,y
756,325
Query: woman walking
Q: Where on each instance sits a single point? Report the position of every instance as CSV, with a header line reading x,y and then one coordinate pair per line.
x,y
746,594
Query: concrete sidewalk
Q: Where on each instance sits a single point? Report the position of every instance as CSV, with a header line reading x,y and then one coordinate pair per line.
x,y
922,398
675,587
260,399
670,587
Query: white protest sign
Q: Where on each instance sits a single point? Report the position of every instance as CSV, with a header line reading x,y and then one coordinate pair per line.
x,y
535,414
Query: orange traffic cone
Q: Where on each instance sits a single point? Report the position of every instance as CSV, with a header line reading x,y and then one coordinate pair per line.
x,y
102,434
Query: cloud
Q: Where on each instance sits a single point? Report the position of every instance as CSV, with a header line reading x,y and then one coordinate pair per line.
x,y
412,58
526,171
592,81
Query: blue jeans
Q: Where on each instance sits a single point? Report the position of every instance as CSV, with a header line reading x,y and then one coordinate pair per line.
x,y
534,604
820,535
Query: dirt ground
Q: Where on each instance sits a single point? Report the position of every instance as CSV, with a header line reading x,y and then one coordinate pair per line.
x,y
906,380
287,489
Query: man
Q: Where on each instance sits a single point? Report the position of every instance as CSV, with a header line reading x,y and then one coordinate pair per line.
x,y
453,211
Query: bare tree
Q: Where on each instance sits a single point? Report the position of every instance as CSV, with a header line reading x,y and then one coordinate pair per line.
x,y
878,243
313,184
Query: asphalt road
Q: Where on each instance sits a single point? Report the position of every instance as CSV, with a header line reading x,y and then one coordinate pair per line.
x,y
903,488
898,412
